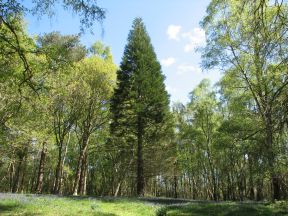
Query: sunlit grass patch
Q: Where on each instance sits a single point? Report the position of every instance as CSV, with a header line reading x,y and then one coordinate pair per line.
x,y
74,206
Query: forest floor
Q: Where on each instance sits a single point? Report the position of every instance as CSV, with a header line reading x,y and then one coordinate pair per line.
x,y
29,204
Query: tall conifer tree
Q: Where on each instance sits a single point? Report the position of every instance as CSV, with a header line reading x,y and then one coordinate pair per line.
x,y
140,105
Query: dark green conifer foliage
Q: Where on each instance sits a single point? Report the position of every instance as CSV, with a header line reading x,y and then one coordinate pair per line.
x,y
140,105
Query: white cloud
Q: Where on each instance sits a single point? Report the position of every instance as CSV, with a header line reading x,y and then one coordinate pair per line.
x,y
187,68
196,38
171,90
173,32
168,61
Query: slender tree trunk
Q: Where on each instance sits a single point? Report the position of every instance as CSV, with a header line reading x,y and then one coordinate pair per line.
x,y
79,165
56,187
35,169
156,187
83,176
241,187
189,186
271,156
211,166
259,195
24,172
175,186
194,190
117,189
78,172
213,177
50,179
41,169
17,176
11,176
140,163
251,182
22,155
122,177
63,162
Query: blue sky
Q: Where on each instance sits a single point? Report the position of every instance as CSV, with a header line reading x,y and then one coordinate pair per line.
x,y
172,25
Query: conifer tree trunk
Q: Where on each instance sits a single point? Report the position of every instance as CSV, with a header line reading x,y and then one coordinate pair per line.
x,y
140,163
140,105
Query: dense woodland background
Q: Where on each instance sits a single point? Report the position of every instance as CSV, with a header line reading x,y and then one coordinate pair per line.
x,y
72,122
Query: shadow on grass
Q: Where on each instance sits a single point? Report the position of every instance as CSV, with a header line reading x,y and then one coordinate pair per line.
x,y
8,207
165,201
219,209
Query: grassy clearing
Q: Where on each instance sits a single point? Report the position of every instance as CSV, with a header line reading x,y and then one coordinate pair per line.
x,y
26,205
31,205
226,209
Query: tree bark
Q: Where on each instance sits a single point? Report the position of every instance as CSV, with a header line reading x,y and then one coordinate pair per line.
x,y
17,176
259,194
122,177
271,156
21,154
140,163
175,186
79,165
11,176
34,178
83,176
251,182
78,172
117,189
41,169
57,186
24,172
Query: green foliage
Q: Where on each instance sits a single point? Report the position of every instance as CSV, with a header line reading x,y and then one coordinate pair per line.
x,y
88,11
60,51
101,51
140,89
248,40
17,45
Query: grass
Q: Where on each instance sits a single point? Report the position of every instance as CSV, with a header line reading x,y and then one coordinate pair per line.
x,y
226,209
26,205
74,206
